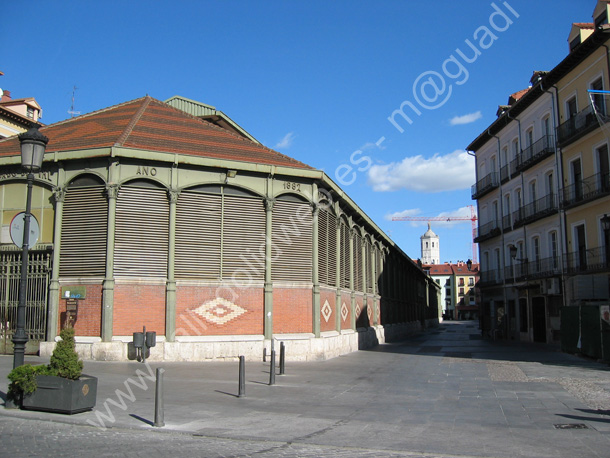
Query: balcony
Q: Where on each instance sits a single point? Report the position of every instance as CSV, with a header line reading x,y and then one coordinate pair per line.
x,y
487,231
489,278
504,174
536,210
507,224
485,185
588,261
590,188
539,150
578,125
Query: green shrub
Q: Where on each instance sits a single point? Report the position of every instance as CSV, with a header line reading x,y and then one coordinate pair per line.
x,y
64,360
23,379
64,363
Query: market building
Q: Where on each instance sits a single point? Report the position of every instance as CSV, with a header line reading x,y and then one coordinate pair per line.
x,y
171,216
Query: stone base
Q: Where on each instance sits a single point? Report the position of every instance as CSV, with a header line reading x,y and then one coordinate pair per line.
x,y
299,347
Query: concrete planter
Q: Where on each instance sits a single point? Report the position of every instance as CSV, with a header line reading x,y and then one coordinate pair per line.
x,y
61,395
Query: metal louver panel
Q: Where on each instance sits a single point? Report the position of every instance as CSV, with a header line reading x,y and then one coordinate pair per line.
x,y
198,230
358,263
292,236
369,267
322,247
345,256
141,236
84,233
327,248
243,239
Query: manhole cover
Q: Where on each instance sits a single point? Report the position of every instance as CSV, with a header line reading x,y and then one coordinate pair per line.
x,y
571,426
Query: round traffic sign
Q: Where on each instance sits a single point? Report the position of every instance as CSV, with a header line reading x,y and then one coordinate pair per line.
x,y
17,227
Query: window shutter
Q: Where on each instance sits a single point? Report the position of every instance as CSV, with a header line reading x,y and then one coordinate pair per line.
x,y
84,233
142,227
198,229
292,235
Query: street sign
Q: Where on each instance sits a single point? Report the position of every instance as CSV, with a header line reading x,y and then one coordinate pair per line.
x,y
17,227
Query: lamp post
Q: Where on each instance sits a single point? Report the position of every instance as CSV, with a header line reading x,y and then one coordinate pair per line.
x,y
33,145
606,228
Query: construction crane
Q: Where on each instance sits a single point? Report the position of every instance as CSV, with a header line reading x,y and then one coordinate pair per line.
x,y
473,218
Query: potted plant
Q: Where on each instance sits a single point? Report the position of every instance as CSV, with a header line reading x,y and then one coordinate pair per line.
x,y
57,387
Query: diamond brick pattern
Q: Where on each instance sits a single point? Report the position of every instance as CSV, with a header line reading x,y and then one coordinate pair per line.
x,y
219,311
327,311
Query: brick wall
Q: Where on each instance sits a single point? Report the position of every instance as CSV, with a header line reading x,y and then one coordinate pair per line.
x,y
208,310
347,300
89,314
329,295
137,305
292,310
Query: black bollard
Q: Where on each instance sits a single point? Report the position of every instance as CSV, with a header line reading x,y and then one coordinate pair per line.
x,y
159,414
282,358
272,369
264,354
242,377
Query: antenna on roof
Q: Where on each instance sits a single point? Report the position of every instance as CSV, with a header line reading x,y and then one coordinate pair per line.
x,y
71,111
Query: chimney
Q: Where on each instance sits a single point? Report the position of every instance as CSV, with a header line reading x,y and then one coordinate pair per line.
x,y
6,96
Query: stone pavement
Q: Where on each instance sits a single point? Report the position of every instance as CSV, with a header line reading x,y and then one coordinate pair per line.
x,y
442,393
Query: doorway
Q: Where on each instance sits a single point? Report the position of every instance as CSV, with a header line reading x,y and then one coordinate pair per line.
x,y
539,319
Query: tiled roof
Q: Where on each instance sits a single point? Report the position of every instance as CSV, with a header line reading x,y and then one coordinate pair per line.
x,y
584,25
517,95
151,125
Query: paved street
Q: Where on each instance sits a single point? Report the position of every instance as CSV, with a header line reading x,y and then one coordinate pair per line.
x,y
442,393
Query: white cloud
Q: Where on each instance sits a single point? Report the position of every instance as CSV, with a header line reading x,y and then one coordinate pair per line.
x,y
465,119
410,212
439,173
286,141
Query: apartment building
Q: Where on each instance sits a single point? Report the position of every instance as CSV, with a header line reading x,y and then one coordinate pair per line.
x,y
543,191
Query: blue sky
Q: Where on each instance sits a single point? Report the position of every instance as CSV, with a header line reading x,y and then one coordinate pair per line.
x,y
316,80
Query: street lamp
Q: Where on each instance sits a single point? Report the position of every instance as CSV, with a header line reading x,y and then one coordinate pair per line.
x,y
33,145
469,264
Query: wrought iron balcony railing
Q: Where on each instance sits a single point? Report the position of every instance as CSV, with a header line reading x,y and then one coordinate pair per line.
x,y
487,231
588,260
484,185
539,150
588,189
578,125
540,208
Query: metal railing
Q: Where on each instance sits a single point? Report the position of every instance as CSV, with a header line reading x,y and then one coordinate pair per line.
x,y
588,260
487,231
484,185
588,189
536,152
538,209
578,125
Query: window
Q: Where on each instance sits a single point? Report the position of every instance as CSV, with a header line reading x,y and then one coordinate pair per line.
x,y
533,194
603,166
598,99
470,281
504,157
530,137
571,108
461,291
577,179
461,282
432,244
546,127
553,249
515,147
30,112
536,253
448,292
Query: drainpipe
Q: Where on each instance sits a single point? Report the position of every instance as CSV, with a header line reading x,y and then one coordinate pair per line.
x,y
559,167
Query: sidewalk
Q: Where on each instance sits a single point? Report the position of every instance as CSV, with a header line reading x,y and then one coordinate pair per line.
x,y
444,392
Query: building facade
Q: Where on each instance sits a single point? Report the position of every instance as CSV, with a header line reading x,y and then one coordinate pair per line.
x,y
542,192
172,217
459,285
430,247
